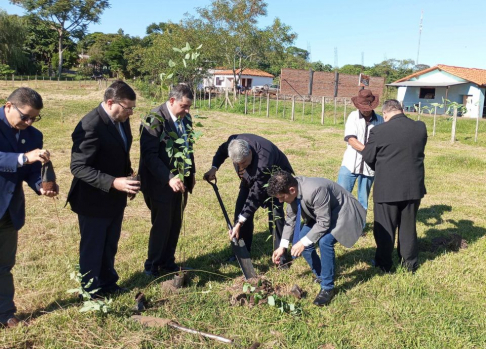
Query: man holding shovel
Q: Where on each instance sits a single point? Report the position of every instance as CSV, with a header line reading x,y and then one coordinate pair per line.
x,y
21,155
254,159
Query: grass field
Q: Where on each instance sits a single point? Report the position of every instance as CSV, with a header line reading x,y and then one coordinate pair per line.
x,y
441,306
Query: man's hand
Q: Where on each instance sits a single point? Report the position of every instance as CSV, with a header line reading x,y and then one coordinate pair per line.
x,y
235,233
297,249
50,193
41,155
177,185
277,254
210,175
130,186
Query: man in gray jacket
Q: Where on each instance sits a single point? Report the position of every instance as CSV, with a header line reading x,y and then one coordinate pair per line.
x,y
330,214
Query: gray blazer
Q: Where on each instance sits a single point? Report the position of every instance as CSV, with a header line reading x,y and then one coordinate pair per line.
x,y
333,209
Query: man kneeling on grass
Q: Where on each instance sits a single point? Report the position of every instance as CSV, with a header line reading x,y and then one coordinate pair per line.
x,y
330,214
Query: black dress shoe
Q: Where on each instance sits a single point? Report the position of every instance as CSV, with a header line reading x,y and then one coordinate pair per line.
x,y
11,322
324,297
154,274
231,259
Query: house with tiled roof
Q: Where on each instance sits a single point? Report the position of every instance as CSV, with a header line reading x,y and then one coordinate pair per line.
x,y
466,86
224,78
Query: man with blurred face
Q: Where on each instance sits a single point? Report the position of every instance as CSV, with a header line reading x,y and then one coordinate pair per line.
x,y
330,214
21,155
165,193
100,164
356,133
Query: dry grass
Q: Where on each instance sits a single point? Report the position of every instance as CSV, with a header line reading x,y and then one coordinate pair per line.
x,y
441,306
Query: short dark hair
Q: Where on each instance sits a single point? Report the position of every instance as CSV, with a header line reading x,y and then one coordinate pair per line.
x,y
180,91
118,91
391,105
25,96
280,183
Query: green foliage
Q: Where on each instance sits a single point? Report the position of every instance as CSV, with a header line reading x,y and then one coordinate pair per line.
x,y
13,33
102,306
283,306
5,69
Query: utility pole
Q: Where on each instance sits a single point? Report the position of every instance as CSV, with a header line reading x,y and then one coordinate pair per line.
x,y
335,59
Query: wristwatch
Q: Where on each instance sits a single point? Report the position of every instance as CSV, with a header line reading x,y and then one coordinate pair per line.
x,y
24,159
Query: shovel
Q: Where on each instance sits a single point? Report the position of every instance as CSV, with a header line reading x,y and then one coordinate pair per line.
x,y
151,321
238,246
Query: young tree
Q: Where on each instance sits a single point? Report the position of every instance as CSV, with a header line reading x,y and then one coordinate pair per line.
x,y
67,16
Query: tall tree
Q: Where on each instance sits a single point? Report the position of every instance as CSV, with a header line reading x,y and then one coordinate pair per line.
x,y
67,16
13,31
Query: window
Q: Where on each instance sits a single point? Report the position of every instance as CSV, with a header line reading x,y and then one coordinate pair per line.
x,y
219,81
427,93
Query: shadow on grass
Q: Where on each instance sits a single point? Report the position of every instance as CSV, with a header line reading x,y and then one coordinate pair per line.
x,y
431,216
208,266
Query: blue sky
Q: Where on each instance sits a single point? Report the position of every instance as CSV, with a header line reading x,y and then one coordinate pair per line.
x,y
453,31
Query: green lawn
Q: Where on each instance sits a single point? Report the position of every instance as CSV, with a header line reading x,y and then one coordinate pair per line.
x,y
441,306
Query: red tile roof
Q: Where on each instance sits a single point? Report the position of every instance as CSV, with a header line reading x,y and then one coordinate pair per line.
x,y
253,72
477,76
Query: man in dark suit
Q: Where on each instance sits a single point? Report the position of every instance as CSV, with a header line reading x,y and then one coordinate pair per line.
x,y
21,155
167,178
395,151
255,159
330,214
100,164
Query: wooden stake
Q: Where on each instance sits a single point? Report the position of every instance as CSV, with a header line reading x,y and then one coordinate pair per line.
x,y
435,116
323,110
293,108
335,110
268,105
454,122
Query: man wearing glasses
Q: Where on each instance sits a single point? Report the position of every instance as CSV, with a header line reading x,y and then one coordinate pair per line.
x,y
100,164
21,155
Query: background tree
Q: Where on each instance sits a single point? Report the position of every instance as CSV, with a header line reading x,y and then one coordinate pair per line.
x,y
69,17
13,32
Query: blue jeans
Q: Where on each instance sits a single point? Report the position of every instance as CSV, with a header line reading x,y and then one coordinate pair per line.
x,y
322,267
346,179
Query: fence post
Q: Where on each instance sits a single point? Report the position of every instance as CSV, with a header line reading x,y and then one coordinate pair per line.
x,y
435,116
209,105
285,98
253,102
246,103
293,108
268,105
344,113
303,107
323,110
276,107
335,110
454,122
260,105
312,107
419,110
477,123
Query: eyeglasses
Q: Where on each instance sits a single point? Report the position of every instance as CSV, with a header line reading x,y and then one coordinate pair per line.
x,y
25,117
126,108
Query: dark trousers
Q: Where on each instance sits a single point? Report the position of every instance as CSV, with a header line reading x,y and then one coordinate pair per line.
x,y
8,249
97,250
166,219
388,217
276,220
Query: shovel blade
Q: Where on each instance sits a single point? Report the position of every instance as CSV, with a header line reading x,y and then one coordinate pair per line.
x,y
243,257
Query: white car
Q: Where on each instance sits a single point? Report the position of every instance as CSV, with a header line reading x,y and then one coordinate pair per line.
x,y
271,89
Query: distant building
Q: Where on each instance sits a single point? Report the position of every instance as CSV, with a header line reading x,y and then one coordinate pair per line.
x,y
223,78
466,86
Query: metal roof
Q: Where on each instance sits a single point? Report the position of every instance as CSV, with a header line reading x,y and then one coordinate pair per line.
x,y
418,83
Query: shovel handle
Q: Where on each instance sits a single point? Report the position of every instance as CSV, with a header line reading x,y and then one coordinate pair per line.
x,y
204,334
225,214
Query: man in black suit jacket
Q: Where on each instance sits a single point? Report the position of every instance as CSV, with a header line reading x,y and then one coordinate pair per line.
x,y
254,159
395,150
164,184
20,161
100,164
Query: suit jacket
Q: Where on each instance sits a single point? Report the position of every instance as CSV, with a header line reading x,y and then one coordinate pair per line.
x,y
266,157
333,209
395,151
11,177
99,156
156,167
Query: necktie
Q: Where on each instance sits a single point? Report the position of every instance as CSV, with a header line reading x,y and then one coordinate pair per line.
x,y
298,216
122,134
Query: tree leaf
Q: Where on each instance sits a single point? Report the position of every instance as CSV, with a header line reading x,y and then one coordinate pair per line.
x,y
170,76
178,154
188,161
271,301
187,56
199,47
185,64
179,141
171,63
177,49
